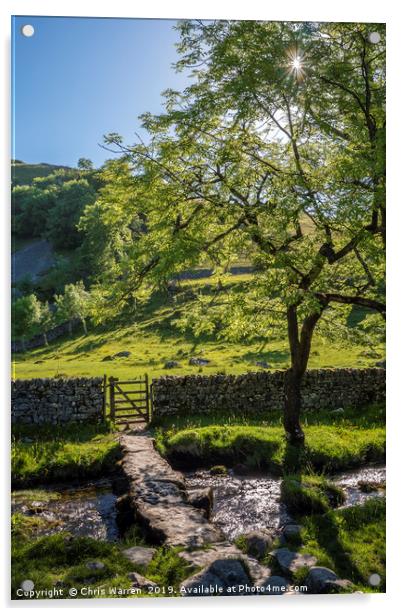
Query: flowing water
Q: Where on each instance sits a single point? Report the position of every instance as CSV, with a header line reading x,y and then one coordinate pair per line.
x,y
86,510
245,503
240,503
361,484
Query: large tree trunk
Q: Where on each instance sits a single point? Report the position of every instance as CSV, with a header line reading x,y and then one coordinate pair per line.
x,y
70,328
300,345
291,416
45,339
84,325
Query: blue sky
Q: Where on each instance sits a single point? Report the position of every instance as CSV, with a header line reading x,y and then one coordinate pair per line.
x,y
76,79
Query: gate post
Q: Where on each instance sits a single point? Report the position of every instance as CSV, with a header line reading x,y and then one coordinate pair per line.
x,y
147,396
112,404
104,402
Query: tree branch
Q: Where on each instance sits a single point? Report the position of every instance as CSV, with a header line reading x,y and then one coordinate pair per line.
x,y
354,300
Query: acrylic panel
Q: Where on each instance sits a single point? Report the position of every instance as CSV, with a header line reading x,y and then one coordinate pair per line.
x,y
198,308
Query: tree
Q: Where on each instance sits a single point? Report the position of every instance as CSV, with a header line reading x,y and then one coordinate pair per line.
x,y
112,223
26,313
63,218
30,209
85,164
73,304
276,149
45,321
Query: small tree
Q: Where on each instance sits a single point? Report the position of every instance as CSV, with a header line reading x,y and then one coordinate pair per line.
x,y
26,316
63,218
85,164
45,321
73,304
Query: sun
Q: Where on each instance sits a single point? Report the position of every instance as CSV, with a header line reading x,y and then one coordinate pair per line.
x,y
296,63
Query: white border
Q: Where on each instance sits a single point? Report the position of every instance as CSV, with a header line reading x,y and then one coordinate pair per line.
x,y
341,10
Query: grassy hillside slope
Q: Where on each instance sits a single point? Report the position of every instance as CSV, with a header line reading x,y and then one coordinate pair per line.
x,y
24,173
152,340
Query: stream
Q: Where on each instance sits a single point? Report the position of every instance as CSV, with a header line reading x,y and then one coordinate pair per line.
x,y
241,503
244,503
86,510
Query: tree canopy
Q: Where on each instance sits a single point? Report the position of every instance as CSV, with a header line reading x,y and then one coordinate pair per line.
x,y
51,206
73,304
276,151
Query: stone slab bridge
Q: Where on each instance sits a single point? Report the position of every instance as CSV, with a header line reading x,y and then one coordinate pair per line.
x,y
157,499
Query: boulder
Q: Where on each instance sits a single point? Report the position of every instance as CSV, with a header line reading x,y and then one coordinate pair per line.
x,y
226,550
221,577
203,583
141,582
292,531
139,555
274,585
230,571
258,543
122,354
108,358
201,499
262,364
338,586
171,364
291,562
95,565
124,513
199,361
318,578
240,469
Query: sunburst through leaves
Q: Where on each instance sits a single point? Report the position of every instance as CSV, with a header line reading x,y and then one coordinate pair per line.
x,y
296,63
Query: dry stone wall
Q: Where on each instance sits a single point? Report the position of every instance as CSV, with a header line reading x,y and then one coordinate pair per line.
x,y
56,401
256,392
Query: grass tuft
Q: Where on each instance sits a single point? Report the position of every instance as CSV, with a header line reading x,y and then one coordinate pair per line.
x,y
308,494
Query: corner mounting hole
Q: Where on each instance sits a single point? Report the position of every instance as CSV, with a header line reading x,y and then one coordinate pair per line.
x,y
28,30
374,37
374,579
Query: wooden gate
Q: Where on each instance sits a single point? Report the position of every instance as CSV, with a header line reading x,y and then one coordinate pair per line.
x,y
129,401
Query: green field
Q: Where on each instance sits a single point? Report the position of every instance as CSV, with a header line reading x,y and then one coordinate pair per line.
x,y
152,339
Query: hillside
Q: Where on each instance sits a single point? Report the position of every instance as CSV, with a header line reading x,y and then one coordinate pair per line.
x,y
153,341
23,173
31,260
